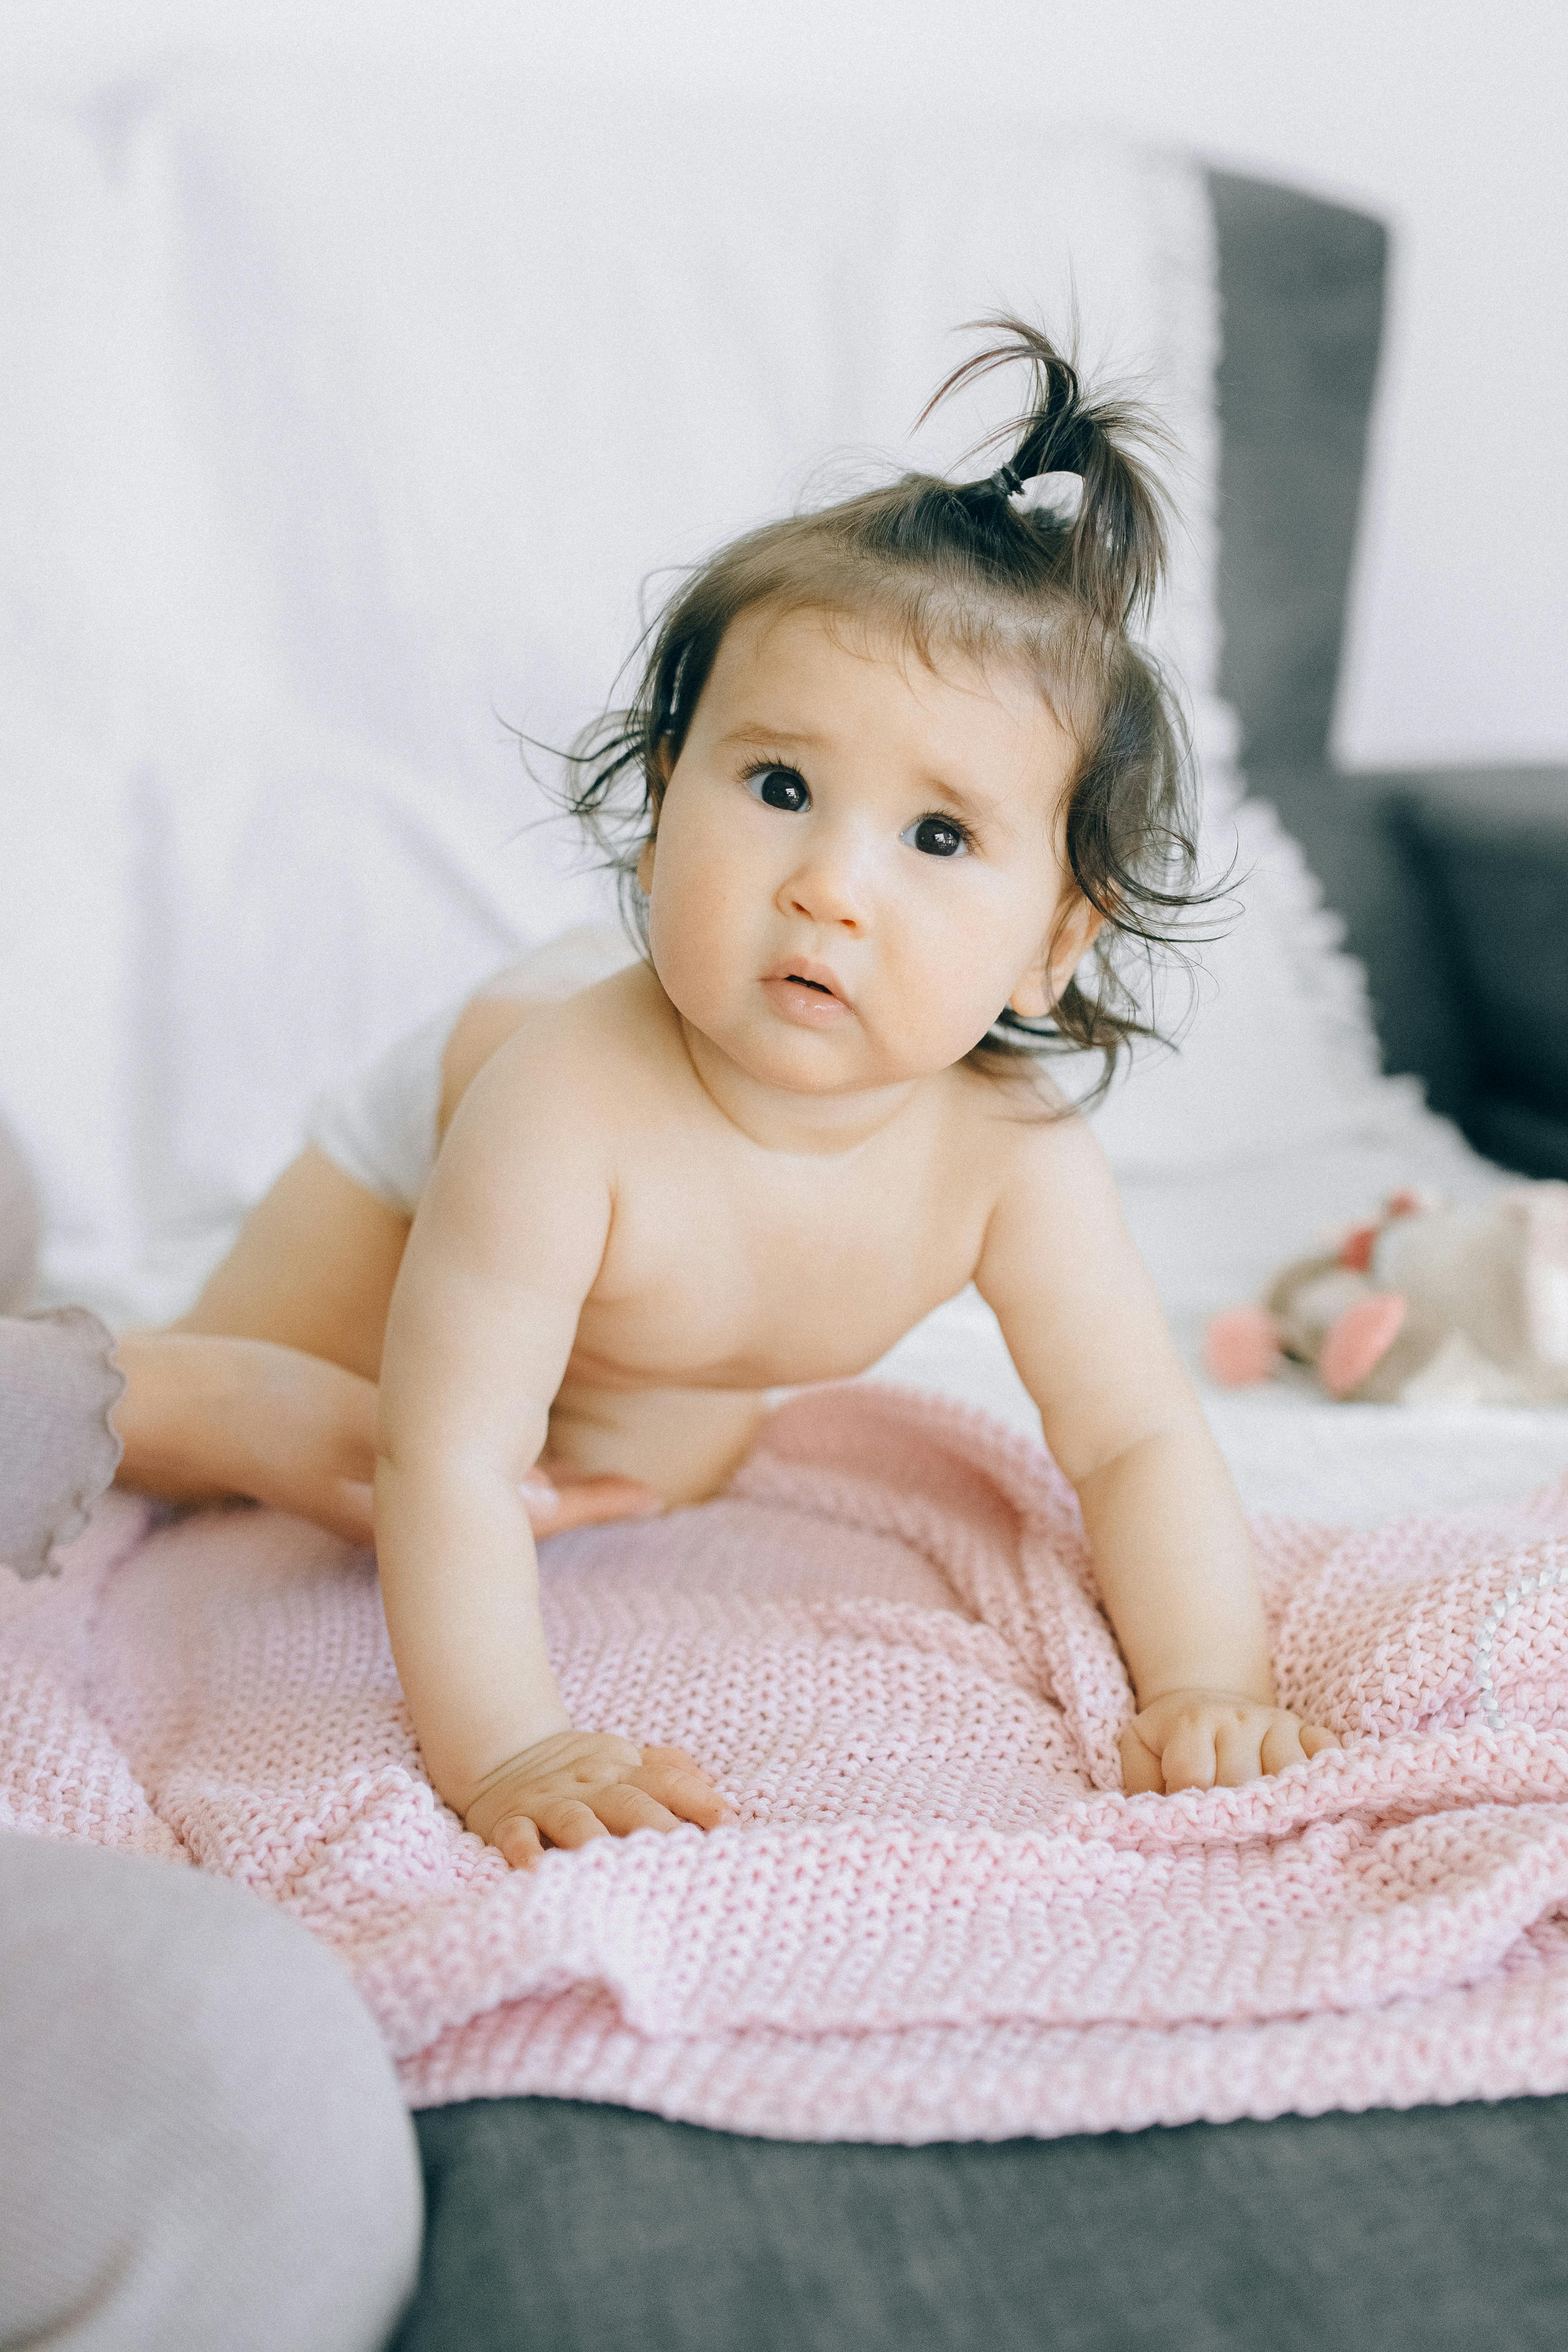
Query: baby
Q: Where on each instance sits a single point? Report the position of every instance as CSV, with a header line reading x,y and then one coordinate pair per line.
x,y
895,778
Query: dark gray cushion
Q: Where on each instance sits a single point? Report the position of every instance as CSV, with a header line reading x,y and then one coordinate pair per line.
x,y
1493,846
577,2228
1454,888
1376,876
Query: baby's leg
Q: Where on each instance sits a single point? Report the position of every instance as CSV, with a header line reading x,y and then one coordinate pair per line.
x,y
315,1264
205,1416
266,1388
313,1268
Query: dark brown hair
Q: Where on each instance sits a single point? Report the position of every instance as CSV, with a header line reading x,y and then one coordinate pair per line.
x,y
960,566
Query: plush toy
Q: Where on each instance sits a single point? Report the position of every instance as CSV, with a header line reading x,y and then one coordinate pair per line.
x,y
1427,1305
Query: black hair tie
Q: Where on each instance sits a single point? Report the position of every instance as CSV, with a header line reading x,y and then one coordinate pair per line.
x,y
1007,482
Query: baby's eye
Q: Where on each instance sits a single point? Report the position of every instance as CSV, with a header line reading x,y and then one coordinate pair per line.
x,y
779,788
938,837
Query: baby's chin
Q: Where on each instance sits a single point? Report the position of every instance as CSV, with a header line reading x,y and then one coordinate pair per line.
x,y
836,1059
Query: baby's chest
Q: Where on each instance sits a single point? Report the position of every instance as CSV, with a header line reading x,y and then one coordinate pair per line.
x,y
713,1279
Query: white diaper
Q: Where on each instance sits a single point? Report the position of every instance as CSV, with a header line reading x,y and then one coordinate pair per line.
x,y
381,1129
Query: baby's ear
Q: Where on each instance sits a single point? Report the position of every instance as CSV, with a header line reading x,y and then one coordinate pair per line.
x,y
663,768
1071,936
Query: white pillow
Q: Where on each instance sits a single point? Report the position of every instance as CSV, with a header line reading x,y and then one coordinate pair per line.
x,y
1273,1047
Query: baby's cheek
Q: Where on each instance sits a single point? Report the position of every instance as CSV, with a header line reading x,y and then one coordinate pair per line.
x,y
942,998
694,955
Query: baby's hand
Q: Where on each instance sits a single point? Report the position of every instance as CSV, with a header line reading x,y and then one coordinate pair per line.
x,y
578,1785
1204,1739
557,1496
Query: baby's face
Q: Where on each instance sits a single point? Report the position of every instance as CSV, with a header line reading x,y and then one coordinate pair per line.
x,y
859,860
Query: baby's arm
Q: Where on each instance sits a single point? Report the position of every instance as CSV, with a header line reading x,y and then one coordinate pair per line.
x,y
504,1250
1171,1549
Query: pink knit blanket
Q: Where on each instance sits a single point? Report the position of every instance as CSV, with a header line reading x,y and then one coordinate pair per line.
x,y
938,1917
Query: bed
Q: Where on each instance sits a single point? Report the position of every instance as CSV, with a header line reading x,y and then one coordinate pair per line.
x,y
262,628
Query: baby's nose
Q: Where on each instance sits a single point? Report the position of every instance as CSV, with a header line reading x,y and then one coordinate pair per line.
x,y
831,887
817,907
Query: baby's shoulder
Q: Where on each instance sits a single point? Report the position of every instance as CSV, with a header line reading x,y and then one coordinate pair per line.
x,y
604,1055
1017,1127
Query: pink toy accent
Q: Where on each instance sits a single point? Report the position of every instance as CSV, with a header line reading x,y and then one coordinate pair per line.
x,y
1357,1249
938,1917
1359,1341
1241,1346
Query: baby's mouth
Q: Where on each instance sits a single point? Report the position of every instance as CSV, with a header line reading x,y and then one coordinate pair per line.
x,y
805,996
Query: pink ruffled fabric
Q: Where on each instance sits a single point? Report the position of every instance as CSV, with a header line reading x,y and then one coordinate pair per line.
x,y
938,1917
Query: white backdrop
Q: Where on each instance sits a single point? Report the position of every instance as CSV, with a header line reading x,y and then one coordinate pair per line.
x,y
1445,116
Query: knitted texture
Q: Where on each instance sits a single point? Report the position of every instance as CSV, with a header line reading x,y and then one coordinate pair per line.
x,y
938,1917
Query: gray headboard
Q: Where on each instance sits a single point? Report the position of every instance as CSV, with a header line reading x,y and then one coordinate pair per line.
x,y
1453,886
1302,289
1301,285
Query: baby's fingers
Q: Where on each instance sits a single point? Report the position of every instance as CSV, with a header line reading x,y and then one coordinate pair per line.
x,y
568,1821
626,1807
1239,1750
1189,1759
517,1840
682,1757
557,1501
678,1780
1283,1744
1140,1773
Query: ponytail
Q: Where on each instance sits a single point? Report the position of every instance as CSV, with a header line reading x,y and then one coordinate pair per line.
x,y
1108,554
